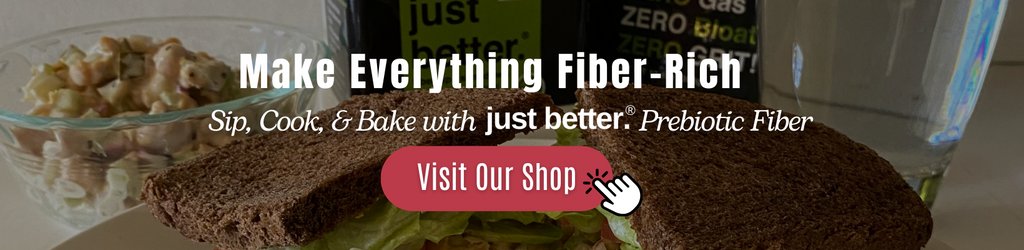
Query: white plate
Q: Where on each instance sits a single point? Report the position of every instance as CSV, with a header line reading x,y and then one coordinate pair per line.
x,y
138,229
132,229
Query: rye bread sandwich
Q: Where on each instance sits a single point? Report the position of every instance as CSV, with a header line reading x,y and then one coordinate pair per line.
x,y
718,190
292,189
811,189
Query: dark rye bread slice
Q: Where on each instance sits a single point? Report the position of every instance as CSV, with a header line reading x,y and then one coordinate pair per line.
x,y
287,189
815,189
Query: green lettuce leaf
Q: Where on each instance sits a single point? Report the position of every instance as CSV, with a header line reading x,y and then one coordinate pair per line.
x,y
586,221
523,217
621,228
576,242
383,226
569,137
553,214
581,241
436,225
514,231
412,245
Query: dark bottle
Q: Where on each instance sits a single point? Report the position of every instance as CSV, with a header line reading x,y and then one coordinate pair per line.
x,y
372,28
390,29
650,29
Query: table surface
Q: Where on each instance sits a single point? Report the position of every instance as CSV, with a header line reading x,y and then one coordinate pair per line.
x,y
980,205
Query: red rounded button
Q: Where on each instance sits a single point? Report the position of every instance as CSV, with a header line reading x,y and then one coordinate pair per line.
x,y
494,178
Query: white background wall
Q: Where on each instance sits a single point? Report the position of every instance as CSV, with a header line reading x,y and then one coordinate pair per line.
x,y
1010,47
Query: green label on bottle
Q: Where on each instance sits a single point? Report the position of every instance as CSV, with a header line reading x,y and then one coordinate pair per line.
x,y
441,28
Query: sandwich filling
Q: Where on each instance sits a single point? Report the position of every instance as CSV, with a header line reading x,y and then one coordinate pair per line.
x,y
384,226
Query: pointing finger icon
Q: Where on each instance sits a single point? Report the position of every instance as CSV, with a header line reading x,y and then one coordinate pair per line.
x,y
622,195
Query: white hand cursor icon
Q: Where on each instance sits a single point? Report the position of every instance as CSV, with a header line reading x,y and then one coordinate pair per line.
x,y
621,195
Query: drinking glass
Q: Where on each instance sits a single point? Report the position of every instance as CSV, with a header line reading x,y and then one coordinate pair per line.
x,y
900,76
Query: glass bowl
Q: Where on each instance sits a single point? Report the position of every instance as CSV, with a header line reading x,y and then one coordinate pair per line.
x,y
82,171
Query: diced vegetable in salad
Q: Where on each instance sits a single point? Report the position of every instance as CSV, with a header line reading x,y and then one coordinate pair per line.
x,y
130,76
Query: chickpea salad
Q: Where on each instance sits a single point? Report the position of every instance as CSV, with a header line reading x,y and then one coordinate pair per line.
x,y
130,76
82,175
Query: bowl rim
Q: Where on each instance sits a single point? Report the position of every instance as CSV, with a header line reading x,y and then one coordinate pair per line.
x,y
43,122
